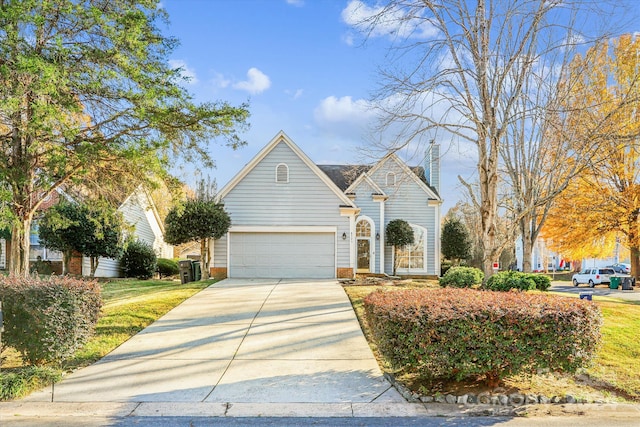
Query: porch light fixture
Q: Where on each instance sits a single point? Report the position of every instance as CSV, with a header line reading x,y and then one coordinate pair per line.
x,y
377,236
344,236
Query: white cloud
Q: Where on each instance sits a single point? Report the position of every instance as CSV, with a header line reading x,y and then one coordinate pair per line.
x,y
185,71
385,21
344,118
348,39
220,81
342,110
257,82
294,94
297,3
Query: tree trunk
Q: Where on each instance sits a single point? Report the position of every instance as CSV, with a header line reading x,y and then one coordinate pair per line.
x,y
527,244
634,243
66,259
94,265
395,261
205,258
20,247
635,261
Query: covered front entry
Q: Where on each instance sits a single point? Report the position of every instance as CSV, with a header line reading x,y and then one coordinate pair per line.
x,y
364,242
282,255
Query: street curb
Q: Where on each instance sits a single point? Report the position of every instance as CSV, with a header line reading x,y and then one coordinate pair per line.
x,y
18,409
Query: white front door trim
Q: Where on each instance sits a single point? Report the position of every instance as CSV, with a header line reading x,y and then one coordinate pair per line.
x,y
372,241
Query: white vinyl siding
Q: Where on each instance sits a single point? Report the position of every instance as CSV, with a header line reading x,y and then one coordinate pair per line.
x,y
3,254
408,201
282,255
305,201
107,267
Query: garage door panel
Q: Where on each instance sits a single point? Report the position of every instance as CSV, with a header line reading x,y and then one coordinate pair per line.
x,y
282,255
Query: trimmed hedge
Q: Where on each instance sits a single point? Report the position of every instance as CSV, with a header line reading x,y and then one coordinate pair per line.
x,y
462,277
469,334
139,260
508,280
47,320
168,267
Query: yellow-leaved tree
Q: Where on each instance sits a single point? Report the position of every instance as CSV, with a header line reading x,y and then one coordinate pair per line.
x,y
603,202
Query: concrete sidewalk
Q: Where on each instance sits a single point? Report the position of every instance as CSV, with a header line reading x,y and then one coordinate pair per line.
x,y
244,348
241,341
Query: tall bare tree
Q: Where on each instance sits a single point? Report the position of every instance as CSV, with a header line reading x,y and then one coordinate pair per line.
x,y
462,67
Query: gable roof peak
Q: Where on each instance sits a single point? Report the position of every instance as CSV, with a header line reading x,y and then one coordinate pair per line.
x,y
282,137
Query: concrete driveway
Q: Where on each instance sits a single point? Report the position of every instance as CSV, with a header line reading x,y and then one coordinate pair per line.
x,y
241,341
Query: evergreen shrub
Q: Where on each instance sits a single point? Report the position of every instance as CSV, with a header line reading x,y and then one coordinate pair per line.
x,y
139,260
469,334
168,267
462,277
509,280
47,320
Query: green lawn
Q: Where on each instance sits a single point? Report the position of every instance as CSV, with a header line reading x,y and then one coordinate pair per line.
x,y
614,374
128,307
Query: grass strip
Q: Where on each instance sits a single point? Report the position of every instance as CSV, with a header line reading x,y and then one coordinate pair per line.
x,y
128,307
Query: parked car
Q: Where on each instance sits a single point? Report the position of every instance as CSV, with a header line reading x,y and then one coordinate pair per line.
x,y
593,276
621,268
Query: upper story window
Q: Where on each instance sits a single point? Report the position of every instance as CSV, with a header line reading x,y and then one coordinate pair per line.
x,y
282,173
391,179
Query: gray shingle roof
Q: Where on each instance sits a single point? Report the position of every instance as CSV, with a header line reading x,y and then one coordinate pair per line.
x,y
344,175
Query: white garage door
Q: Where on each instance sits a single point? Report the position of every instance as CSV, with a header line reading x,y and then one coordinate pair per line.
x,y
282,255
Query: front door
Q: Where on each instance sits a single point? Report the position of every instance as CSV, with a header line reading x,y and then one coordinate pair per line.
x,y
364,256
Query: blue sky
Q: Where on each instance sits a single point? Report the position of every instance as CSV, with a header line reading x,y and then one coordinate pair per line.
x,y
304,70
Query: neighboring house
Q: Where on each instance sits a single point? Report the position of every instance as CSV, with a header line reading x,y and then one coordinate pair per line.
x,y
292,218
139,212
189,250
545,259
542,258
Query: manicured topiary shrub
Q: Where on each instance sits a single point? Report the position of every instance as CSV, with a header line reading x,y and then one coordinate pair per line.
x,y
47,320
168,267
138,260
468,334
462,277
508,280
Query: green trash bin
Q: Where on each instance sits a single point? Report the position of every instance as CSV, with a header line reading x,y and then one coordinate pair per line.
x,y
614,282
197,272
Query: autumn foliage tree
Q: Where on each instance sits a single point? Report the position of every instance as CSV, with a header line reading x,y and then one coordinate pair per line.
x,y
603,203
86,89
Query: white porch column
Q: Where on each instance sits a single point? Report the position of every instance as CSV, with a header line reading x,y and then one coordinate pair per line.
x,y
351,212
381,199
